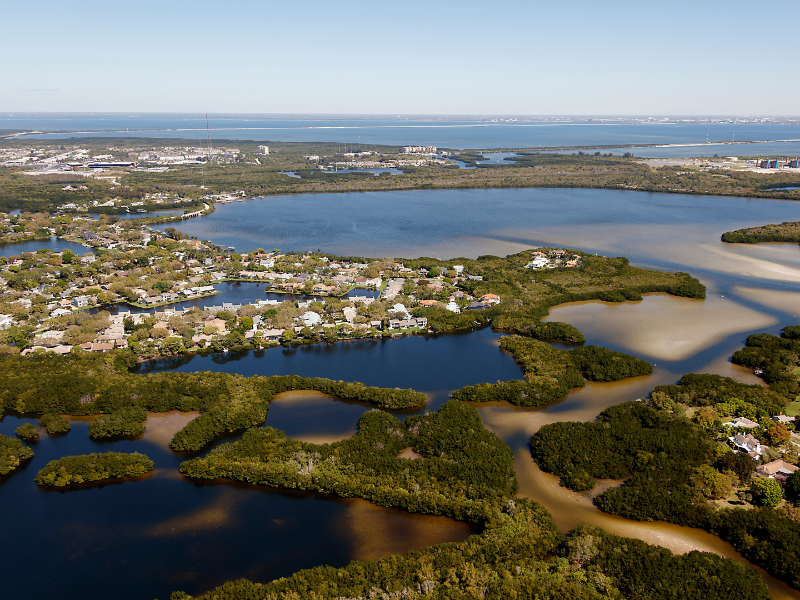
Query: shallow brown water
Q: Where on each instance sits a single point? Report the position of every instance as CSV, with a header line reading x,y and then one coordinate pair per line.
x,y
569,509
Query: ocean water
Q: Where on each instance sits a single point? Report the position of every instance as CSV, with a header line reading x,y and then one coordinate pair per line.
x,y
440,132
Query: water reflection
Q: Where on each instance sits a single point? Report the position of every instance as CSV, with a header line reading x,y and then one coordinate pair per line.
x,y
174,530
662,327
315,417
434,364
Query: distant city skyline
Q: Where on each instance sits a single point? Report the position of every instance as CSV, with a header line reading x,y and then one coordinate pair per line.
x,y
358,58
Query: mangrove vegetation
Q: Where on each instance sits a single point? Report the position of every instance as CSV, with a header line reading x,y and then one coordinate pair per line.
x,y
86,468
549,373
12,454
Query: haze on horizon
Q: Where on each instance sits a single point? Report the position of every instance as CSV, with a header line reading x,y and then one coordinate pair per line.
x,y
471,58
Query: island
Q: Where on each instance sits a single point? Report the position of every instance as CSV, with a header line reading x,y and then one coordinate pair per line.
x,y
12,454
86,468
788,231
463,471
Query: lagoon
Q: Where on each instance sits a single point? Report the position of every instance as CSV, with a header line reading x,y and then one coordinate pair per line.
x,y
162,532
751,289
53,244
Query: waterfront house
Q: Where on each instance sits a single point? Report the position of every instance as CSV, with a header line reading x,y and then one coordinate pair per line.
x,y
273,335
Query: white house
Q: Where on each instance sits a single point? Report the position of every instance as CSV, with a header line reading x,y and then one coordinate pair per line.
x,y
310,318
747,443
537,263
399,309
742,422
453,307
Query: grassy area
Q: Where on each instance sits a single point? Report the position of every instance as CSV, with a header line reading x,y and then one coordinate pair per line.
x,y
793,410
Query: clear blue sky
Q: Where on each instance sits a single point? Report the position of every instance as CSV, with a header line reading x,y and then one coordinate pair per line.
x,y
409,57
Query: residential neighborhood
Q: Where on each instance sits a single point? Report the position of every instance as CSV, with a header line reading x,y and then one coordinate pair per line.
x,y
153,292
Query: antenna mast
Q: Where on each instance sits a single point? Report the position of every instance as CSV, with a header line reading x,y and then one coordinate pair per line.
x,y
208,140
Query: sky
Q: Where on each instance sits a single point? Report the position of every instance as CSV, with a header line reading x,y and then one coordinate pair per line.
x,y
411,57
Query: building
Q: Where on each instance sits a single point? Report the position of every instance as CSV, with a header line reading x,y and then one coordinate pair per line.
x,y
777,468
742,422
419,149
263,150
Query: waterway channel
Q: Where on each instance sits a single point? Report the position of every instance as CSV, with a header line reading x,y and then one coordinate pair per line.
x,y
750,289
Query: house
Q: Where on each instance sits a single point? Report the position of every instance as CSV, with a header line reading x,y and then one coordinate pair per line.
x,y
783,419
490,298
742,422
273,335
81,301
777,468
453,307
400,310
320,288
368,282
747,443
407,323
310,318
537,263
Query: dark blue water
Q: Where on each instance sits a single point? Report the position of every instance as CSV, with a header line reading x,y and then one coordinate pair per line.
x,y
444,133
55,244
434,364
234,292
162,533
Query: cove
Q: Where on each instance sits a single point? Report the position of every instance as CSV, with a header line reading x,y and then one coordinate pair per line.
x,y
434,364
162,532
54,244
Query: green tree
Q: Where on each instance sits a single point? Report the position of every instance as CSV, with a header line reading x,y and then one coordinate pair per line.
x,y
713,484
793,487
766,492
27,431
